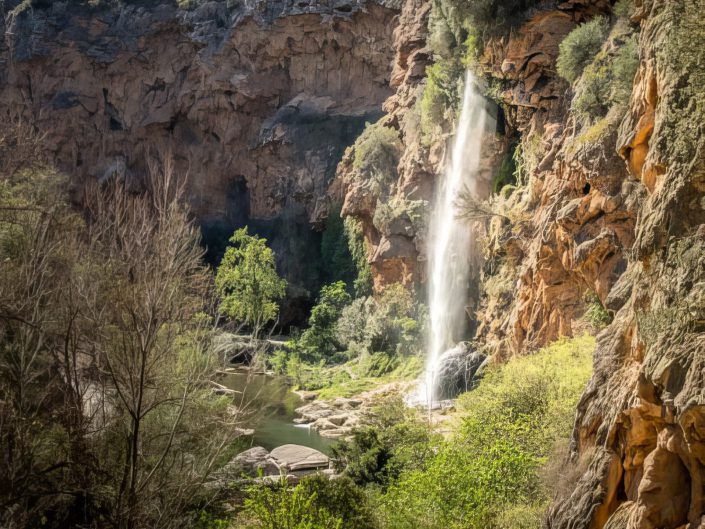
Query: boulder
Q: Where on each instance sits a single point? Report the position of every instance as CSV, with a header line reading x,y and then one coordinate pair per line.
x,y
253,462
458,369
296,457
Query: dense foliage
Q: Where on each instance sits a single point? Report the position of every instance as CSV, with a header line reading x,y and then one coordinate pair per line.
x,y
393,440
106,415
319,341
248,283
491,473
579,47
377,153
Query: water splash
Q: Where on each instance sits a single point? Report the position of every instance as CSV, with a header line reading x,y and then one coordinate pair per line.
x,y
451,249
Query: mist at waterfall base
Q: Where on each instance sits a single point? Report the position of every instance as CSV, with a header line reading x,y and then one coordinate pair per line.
x,y
451,254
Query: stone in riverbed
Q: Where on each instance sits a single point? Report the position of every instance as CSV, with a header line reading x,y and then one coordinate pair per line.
x,y
252,462
297,457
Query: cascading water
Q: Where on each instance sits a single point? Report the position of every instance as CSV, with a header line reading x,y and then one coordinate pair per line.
x,y
451,248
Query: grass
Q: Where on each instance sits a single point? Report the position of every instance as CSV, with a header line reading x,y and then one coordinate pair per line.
x,y
495,471
409,369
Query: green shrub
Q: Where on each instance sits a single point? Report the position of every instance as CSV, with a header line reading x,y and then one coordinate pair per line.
x,y
278,506
377,153
362,285
624,67
579,47
592,92
342,498
608,80
318,342
393,440
490,473
623,8
440,97
596,314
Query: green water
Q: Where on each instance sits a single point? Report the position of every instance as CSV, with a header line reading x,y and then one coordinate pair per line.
x,y
269,405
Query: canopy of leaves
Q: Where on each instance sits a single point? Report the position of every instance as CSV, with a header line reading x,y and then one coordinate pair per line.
x,y
247,281
319,341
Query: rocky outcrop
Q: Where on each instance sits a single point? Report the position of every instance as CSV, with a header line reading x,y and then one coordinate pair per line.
x,y
289,462
395,249
256,101
642,416
567,230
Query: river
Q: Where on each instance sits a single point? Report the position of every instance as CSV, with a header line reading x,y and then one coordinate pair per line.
x,y
270,404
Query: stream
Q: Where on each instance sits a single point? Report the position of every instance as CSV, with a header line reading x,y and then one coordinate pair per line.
x,y
272,406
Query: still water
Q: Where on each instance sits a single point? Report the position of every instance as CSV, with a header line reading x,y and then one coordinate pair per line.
x,y
269,404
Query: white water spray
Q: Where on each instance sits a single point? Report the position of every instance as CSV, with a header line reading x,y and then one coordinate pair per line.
x,y
451,248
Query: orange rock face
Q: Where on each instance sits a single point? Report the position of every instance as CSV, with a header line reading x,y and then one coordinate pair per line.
x,y
641,419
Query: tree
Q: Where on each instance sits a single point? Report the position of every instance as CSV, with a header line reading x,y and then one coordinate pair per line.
x,y
320,340
106,415
248,283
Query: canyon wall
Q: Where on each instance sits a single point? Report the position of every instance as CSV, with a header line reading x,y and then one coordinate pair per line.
x,y
256,101
607,213
640,428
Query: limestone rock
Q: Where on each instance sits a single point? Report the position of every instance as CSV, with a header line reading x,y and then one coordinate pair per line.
x,y
296,457
257,103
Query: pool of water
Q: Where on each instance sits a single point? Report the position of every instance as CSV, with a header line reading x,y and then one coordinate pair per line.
x,y
269,405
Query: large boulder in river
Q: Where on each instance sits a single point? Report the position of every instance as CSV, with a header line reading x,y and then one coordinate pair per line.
x,y
296,457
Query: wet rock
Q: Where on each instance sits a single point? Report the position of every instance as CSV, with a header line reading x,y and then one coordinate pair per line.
x,y
458,370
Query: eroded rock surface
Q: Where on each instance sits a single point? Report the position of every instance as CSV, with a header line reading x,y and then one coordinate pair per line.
x,y
256,103
642,418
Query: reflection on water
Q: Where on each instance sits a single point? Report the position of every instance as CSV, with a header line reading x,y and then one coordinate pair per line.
x,y
270,405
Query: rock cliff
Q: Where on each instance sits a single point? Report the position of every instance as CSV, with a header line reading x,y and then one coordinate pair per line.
x,y
606,213
256,100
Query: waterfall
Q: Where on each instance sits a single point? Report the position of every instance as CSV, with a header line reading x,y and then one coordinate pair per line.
x,y
450,242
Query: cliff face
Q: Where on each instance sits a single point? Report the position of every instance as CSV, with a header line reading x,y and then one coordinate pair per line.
x,y
641,422
615,209
395,249
256,101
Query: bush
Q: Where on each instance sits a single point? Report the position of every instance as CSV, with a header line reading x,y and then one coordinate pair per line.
x,y
319,342
490,474
362,285
623,8
592,93
377,153
608,80
342,498
596,314
393,440
579,47
277,506
440,97
624,67
391,324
